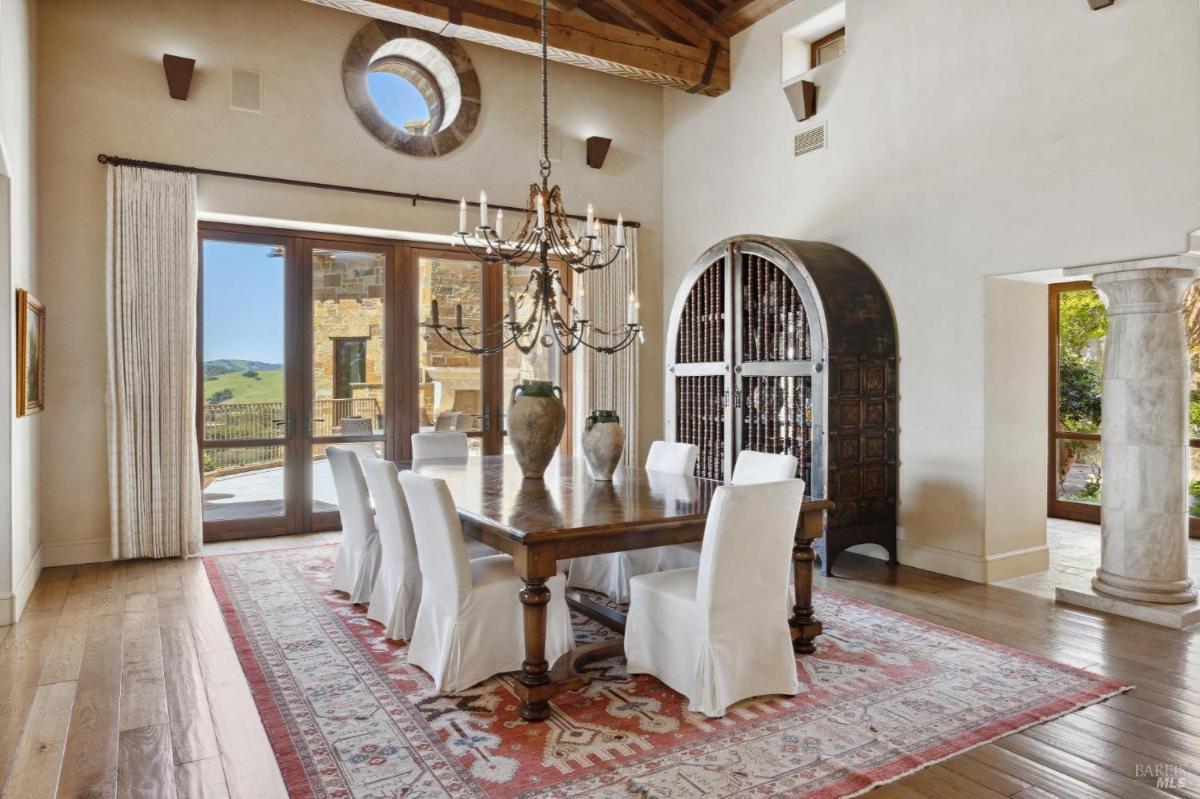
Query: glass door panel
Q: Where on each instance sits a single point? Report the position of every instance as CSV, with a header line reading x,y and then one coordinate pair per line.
x,y
242,394
349,361
450,383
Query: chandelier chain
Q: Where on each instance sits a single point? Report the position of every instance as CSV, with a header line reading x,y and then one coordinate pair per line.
x,y
545,163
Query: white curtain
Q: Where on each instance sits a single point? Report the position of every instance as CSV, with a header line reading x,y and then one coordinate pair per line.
x,y
610,382
153,468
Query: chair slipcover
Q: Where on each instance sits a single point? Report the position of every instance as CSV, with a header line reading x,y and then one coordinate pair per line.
x,y
673,457
715,633
439,446
470,625
397,593
610,573
751,467
358,554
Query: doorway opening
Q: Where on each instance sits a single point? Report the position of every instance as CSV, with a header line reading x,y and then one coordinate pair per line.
x,y
1078,329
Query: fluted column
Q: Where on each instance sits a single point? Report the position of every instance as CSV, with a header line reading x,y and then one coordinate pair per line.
x,y
1144,434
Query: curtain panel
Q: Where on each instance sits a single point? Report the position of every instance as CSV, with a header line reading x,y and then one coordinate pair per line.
x,y
153,467
610,382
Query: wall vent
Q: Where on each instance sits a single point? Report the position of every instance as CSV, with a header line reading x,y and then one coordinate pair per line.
x,y
807,141
245,89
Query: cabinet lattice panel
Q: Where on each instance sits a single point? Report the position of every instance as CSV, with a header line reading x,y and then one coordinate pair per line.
x,y
774,320
777,418
701,411
703,319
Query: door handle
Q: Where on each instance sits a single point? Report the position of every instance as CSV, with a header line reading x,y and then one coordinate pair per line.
x,y
286,424
487,419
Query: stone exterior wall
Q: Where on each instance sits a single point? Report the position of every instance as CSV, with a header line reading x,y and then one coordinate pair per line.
x,y
446,371
348,302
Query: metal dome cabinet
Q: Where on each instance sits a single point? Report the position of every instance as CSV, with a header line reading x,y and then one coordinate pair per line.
x,y
790,346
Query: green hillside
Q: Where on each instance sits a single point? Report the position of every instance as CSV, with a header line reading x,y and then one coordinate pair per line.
x,y
223,365
266,387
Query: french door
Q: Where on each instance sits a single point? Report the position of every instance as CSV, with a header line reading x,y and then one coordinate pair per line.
x,y
308,341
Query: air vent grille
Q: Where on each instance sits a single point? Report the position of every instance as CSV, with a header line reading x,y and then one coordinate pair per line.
x,y
245,89
808,141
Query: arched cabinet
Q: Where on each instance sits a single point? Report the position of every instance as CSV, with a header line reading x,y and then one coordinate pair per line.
x,y
790,346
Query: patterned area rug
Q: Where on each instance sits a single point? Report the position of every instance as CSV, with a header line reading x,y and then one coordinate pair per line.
x,y
884,695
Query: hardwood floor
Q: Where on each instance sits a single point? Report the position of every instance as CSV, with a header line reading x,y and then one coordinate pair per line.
x,y
120,681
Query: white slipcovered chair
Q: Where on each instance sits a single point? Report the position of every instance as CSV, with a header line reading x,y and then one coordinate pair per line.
x,y
610,573
715,633
448,446
358,554
751,467
470,624
397,593
439,446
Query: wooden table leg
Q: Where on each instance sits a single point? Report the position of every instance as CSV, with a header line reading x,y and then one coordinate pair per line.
x,y
535,671
805,627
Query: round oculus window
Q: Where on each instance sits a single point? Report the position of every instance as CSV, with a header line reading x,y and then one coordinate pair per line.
x,y
415,92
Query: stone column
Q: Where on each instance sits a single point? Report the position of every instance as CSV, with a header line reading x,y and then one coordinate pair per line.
x,y
1144,516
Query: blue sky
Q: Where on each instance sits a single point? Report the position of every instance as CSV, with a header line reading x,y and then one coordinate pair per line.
x,y
243,302
397,99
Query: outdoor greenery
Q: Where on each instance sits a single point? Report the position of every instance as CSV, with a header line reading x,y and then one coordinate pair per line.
x,y
247,386
1082,327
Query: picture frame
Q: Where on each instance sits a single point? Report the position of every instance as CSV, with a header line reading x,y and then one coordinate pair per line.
x,y
31,354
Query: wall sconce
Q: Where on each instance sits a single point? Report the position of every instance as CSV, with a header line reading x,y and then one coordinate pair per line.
x,y
1099,4
802,97
179,75
597,151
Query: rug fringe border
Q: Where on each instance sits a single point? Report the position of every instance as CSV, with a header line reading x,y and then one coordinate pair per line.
x,y
1074,708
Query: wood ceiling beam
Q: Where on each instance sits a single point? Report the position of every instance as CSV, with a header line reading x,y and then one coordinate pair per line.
x,y
741,14
574,39
675,18
603,11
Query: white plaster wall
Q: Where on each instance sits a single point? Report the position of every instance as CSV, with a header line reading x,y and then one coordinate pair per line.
x,y
1016,427
104,91
966,139
19,538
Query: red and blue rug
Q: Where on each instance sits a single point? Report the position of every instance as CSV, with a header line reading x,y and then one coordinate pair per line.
x,y
348,717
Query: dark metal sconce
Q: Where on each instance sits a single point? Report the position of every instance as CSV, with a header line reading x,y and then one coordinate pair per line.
x,y
802,97
597,151
179,75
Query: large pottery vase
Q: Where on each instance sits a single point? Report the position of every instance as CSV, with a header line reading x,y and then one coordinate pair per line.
x,y
603,443
536,420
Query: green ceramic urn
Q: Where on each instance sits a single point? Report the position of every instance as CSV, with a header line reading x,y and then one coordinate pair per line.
x,y
536,420
603,443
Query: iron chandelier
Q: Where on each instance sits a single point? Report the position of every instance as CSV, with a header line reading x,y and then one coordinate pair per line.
x,y
544,233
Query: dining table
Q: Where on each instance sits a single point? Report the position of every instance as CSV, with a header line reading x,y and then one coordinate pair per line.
x,y
545,522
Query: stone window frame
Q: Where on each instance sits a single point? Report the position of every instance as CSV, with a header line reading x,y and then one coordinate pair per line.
x,y
454,110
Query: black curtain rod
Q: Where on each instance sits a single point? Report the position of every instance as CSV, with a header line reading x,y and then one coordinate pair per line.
x,y
117,160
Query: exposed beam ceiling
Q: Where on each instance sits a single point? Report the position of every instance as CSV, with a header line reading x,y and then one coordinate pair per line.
x,y
683,44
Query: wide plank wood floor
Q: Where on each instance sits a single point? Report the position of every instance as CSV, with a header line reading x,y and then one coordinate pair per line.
x,y
121,681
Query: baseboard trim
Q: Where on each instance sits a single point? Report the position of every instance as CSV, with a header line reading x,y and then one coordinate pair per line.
x,y
13,605
1018,563
976,568
73,553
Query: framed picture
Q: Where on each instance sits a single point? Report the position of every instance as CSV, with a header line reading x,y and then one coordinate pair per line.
x,y
31,354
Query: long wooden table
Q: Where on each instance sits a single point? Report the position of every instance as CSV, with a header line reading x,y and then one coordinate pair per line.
x,y
568,515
